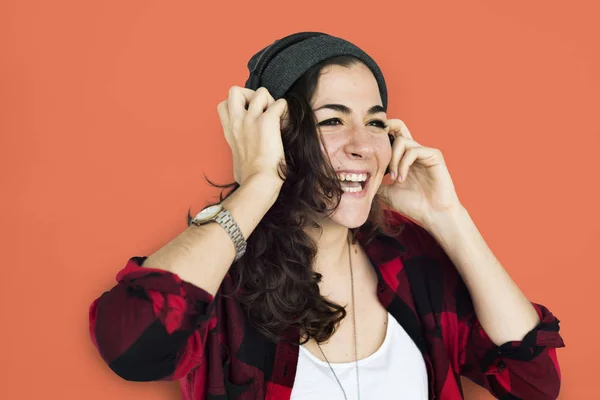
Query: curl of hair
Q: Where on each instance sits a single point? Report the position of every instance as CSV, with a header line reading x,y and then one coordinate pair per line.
x,y
274,281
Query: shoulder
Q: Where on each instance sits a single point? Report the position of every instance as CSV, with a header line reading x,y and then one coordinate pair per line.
x,y
431,273
400,232
407,251
417,240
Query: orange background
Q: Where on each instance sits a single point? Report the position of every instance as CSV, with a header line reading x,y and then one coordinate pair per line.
x,y
108,120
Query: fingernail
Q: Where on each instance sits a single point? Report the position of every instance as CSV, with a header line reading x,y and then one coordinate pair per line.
x,y
393,175
399,178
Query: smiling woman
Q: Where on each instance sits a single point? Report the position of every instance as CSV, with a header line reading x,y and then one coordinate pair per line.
x,y
314,279
354,135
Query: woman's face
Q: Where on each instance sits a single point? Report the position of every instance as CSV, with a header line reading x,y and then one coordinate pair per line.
x,y
349,112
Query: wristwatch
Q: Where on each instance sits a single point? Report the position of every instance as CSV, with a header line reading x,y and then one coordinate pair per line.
x,y
218,213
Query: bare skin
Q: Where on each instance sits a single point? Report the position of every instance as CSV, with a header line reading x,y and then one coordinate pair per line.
x,y
355,141
371,316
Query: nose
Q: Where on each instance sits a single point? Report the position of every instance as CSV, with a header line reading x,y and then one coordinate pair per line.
x,y
359,144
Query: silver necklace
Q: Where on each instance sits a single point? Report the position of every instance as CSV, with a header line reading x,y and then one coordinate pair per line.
x,y
354,322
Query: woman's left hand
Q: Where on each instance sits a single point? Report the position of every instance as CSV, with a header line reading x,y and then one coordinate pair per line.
x,y
422,189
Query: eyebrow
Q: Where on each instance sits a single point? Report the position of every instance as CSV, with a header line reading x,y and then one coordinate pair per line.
x,y
346,110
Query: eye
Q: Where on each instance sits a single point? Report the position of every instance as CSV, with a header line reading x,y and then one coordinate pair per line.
x,y
326,122
379,123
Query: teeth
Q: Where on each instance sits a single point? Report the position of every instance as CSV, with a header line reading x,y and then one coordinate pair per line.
x,y
352,190
352,177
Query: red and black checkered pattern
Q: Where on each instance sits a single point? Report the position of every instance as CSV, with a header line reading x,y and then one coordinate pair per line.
x,y
153,326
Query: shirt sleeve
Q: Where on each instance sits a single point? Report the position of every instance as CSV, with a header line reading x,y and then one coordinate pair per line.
x,y
151,325
525,369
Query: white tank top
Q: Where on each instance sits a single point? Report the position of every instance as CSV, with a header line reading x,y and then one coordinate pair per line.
x,y
395,371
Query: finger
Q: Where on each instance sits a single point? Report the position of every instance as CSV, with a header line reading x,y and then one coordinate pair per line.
x,y
223,110
399,128
401,144
278,111
238,99
409,158
261,100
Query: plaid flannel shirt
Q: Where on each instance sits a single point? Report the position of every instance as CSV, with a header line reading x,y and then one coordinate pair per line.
x,y
152,325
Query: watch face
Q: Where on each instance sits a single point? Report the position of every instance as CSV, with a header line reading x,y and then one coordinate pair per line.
x,y
208,212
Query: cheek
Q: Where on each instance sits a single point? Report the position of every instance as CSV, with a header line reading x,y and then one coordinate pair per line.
x,y
384,149
331,144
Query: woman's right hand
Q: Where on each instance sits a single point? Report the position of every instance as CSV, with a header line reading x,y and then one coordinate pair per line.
x,y
254,134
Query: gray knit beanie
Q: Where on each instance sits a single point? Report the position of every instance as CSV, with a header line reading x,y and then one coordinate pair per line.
x,y
279,65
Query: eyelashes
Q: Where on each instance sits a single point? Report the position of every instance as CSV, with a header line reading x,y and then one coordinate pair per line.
x,y
380,123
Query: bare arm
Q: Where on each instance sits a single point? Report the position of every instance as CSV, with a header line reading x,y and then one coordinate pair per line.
x,y
135,326
252,121
202,255
503,310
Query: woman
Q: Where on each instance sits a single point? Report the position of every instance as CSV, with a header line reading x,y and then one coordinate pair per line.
x,y
312,279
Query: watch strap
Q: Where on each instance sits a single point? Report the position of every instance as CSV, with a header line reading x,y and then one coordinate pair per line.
x,y
225,219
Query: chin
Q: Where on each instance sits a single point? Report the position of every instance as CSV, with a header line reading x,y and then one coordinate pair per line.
x,y
351,214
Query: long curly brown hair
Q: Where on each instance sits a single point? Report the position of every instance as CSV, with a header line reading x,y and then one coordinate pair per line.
x,y
274,280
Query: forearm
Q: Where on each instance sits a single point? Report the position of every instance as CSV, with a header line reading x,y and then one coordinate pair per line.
x,y
502,309
202,255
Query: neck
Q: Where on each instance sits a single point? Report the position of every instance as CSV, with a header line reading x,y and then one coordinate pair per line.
x,y
332,247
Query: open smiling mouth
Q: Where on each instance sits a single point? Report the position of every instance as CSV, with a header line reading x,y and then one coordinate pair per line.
x,y
353,183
